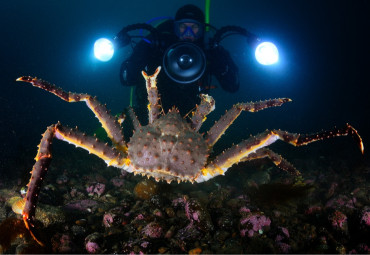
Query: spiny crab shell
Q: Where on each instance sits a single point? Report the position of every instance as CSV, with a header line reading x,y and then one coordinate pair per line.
x,y
169,148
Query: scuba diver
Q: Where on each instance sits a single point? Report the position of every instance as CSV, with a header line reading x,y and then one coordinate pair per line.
x,y
178,46
189,51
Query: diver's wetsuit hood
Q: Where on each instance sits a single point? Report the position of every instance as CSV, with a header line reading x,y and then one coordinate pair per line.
x,y
191,12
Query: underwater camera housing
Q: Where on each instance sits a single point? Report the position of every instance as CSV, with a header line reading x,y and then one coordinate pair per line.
x,y
184,62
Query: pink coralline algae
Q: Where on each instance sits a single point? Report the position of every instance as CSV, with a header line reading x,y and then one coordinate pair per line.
x,y
341,201
92,247
282,239
365,217
109,219
285,231
195,212
313,209
284,247
158,213
140,217
94,243
179,202
198,215
117,182
362,248
252,223
96,188
332,189
153,230
192,215
62,244
74,193
338,220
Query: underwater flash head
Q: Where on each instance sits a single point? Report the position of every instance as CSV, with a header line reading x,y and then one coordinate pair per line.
x,y
103,49
267,53
184,62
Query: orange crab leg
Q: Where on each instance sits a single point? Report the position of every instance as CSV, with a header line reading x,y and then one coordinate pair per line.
x,y
277,159
248,149
228,118
112,156
38,173
151,86
207,105
109,123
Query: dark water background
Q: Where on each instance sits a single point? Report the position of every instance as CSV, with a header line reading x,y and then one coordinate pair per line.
x,y
324,67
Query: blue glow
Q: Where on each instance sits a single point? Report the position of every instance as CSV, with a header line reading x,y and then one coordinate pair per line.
x,y
103,49
267,53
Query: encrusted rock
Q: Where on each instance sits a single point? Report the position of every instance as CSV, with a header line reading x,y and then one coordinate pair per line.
x,y
146,189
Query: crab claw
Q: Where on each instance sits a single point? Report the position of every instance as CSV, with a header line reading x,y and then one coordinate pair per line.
x,y
356,137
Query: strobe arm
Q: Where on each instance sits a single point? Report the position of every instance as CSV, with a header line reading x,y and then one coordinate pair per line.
x,y
122,39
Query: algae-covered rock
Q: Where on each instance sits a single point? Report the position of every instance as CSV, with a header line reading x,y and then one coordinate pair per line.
x,y
49,215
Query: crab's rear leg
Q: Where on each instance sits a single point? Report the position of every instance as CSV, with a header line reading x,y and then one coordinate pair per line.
x,y
110,155
109,123
277,159
228,118
154,107
251,148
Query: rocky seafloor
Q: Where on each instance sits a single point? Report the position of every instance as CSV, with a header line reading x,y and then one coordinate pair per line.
x,y
86,207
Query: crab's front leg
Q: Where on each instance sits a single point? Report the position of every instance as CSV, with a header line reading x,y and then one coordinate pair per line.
x,y
253,148
109,123
135,121
111,156
228,118
207,105
154,107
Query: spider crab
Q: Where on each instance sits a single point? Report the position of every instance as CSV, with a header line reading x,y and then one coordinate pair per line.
x,y
169,148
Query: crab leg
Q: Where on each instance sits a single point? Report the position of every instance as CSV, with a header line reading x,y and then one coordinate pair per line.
x,y
109,123
153,98
38,173
277,159
110,155
228,118
135,121
207,105
248,149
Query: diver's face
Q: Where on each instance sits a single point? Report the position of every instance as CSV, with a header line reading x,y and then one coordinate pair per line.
x,y
188,31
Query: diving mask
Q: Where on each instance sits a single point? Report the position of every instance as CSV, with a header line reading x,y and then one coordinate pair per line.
x,y
188,29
